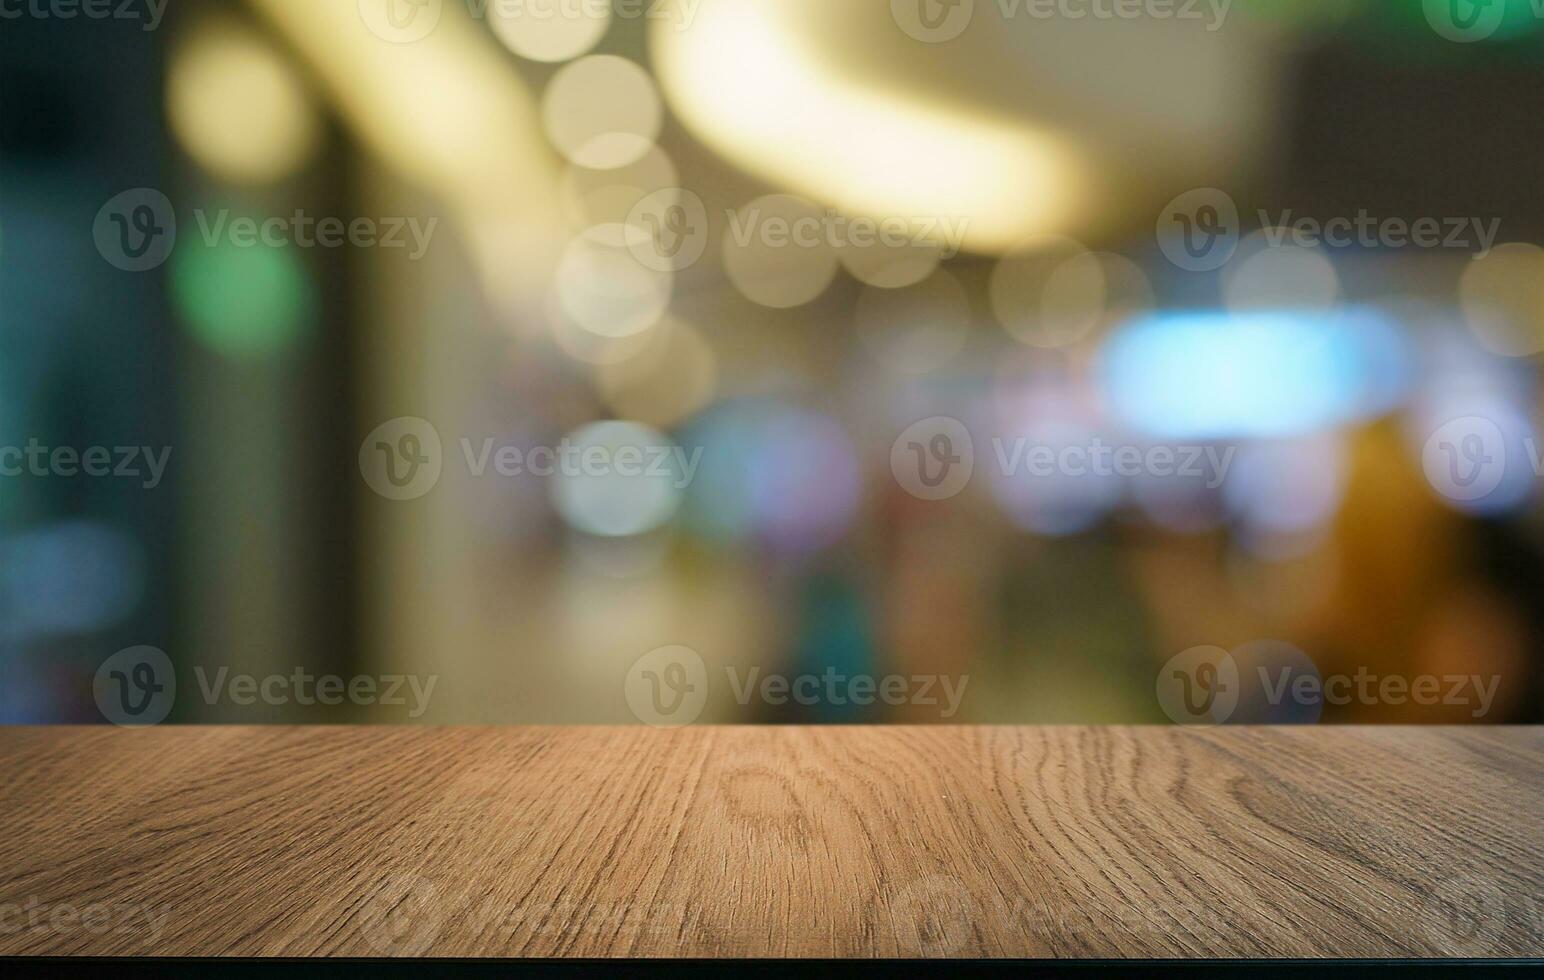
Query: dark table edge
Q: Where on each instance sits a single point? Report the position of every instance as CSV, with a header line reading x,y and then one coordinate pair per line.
x,y
75,966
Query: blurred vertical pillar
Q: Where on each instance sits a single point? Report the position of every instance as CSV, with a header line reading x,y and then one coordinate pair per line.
x,y
267,452
448,130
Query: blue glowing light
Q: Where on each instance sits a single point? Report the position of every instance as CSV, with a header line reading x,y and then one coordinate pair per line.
x,y
1267,374
785,475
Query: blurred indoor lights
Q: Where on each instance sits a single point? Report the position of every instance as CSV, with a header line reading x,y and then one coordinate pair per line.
x,y
890,259
601,112
785,476
586,346
1071,495
449,113
747,84
1486,396
242,301
1269,272
1502,295
665,383
604,290
237,106
1052,292
70,577
778,250
549,30
600,203
1287,487
1276,373
614,483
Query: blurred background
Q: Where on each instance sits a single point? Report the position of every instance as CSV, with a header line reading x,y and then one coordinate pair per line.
x,y
596,191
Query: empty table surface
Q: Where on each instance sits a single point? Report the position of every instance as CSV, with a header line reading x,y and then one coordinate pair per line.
x,y
781,841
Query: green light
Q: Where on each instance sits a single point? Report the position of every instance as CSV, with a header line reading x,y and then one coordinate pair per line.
x,y
1489,21
242,301
1513,18
1445,33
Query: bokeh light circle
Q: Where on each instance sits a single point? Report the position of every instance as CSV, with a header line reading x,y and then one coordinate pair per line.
x,y
1045,476
242,301
549,30
600,203
666,383
608,292
1502,296
590,348
777,251
602,112
1284,275
668,229
1051,292
1287,486
784,476
238,108
621,479
888,253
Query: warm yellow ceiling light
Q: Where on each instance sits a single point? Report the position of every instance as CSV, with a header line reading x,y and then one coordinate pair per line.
x,y
237,107
1017,120
747,85
445,109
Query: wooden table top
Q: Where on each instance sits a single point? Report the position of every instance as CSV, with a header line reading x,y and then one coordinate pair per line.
x,y
843,841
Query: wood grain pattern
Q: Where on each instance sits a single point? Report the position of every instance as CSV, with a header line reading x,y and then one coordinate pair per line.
x,y
773,841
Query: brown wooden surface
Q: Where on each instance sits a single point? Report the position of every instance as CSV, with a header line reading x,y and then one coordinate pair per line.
x,y
782,841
